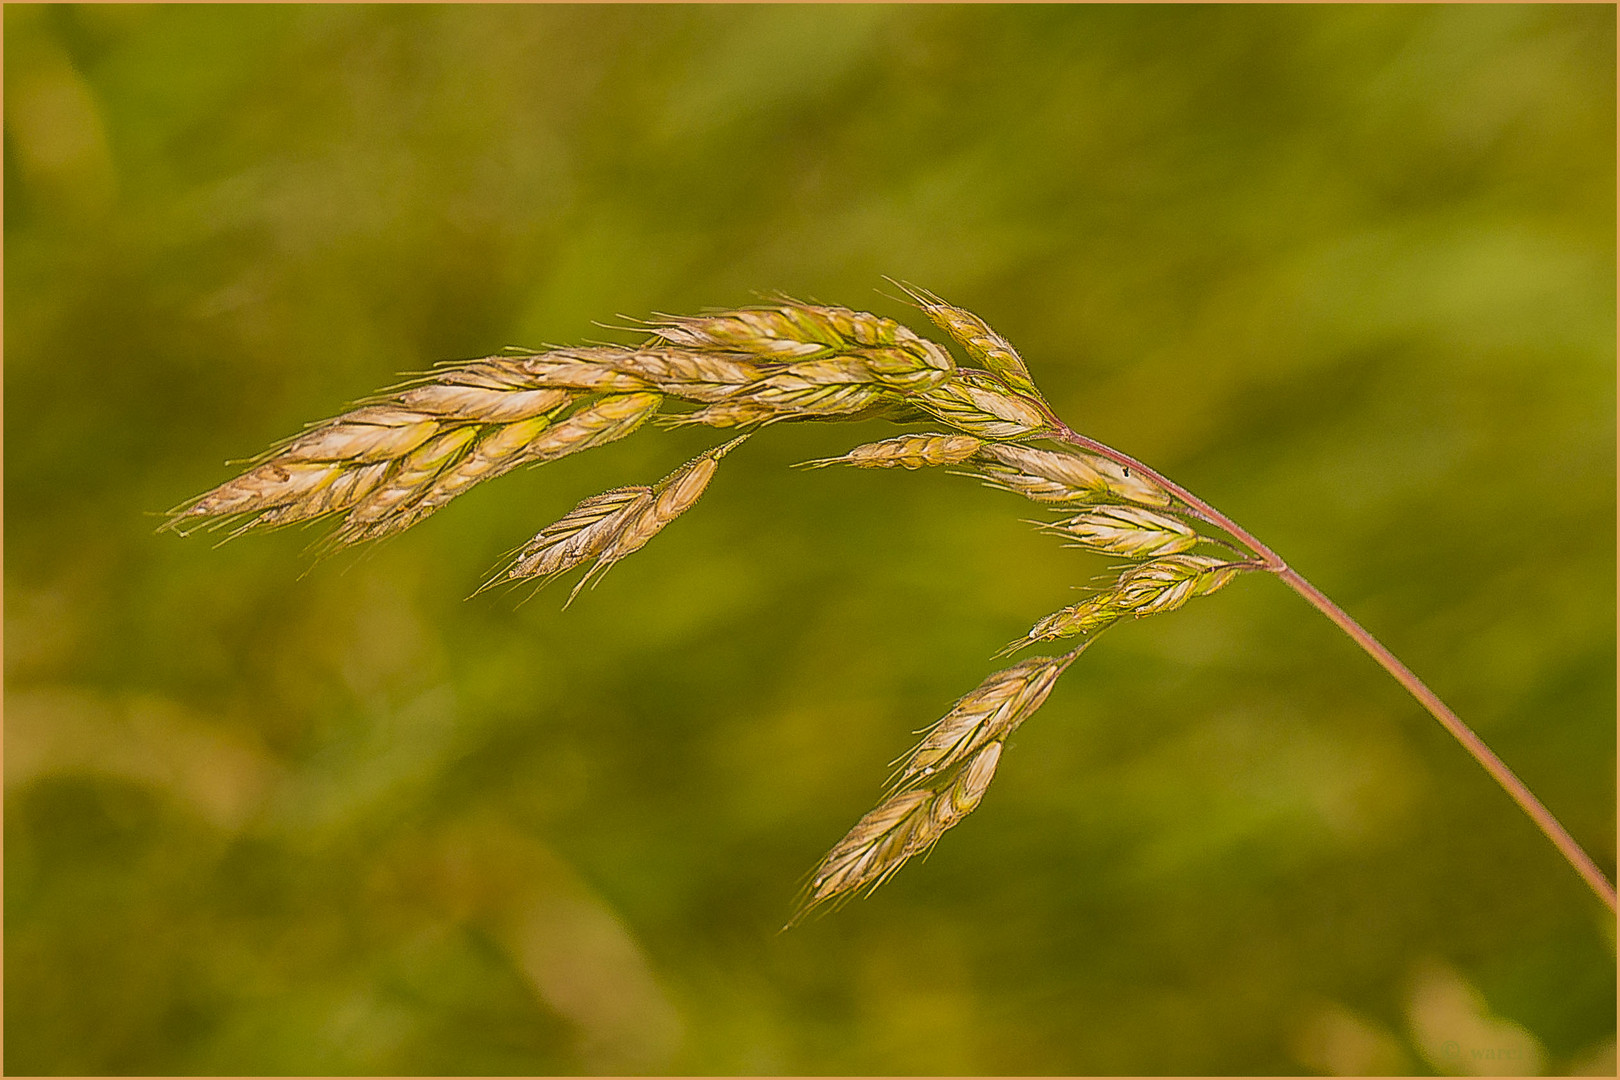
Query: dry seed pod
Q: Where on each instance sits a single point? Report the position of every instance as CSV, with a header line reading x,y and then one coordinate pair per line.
x,y
1127,530
907,452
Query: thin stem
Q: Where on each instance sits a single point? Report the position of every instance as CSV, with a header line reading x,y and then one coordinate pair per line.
x,y
1449,720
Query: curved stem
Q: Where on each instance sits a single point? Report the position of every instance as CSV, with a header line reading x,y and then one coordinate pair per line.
x,y
1402,674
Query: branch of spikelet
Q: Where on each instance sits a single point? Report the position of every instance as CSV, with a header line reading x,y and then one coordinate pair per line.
x,y
396,458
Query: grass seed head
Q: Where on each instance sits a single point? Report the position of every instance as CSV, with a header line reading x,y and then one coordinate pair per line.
x,y
398,457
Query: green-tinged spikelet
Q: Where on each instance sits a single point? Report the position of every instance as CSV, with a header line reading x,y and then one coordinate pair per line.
x,y
978,403
1127,530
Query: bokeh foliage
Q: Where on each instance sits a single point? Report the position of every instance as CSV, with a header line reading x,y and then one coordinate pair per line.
x,y
1348,272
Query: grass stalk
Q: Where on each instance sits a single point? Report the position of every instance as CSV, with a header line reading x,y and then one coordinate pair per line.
x,y
1516,789
399,457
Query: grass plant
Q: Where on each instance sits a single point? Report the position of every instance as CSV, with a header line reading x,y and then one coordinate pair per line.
x,y
397,457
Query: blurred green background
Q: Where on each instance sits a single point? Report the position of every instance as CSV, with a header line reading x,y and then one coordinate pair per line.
x,y
1347,272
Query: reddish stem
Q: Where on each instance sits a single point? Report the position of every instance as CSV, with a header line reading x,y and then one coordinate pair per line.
x,y
1449,720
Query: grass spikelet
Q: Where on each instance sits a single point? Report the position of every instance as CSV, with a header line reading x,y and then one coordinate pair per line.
x,y
481,404
603,421
692,376
983,345
578,536
797,331
903,825
381,512
1088,618
1165,584
367,435
993,710
581,369
609,526
907,452
1126,530
670,498
1087,477
977,403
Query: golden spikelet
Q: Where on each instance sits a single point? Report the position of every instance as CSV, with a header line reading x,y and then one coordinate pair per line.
x,y
607,527
1127,530
983,345
978,403
993,710
907,452
905,824
1068,476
